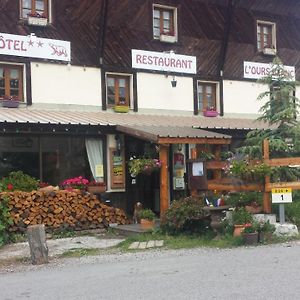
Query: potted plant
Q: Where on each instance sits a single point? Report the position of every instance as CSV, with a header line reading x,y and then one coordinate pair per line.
x,y
250,234
265,231
147,218
240,217
95,187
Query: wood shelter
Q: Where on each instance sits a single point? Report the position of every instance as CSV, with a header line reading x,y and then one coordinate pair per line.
x,y
164,136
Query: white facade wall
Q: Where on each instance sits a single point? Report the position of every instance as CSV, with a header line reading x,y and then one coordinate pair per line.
x,y
240,97
63,84
155,92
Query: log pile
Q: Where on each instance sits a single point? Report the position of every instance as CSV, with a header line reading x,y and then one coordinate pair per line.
x,y
61,210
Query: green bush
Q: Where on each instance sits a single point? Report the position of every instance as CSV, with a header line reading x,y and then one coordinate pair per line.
x,y
18,181
147,214
241,216
292,211
185,216
5,219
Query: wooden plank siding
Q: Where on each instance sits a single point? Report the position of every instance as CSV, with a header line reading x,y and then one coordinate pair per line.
x,y
201,30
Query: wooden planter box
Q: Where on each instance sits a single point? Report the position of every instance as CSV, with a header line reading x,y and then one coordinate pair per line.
x,y
97,189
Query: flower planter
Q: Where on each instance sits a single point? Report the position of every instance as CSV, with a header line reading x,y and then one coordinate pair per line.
x,y
10,103
121,109
250,238
210,113
147,224
238,229
97,189
37,21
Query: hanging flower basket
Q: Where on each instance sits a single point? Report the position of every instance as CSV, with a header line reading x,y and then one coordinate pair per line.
x,y
143,165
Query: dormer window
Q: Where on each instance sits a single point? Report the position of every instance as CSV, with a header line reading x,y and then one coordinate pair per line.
x,y
165,23
36,12
266,37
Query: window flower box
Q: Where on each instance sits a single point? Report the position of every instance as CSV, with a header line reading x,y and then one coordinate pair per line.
x,y
269,51
37,21
97,188
121,108
210,113
10,103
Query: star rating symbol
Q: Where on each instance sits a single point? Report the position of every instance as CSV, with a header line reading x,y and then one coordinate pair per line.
x,y
30,43
40,44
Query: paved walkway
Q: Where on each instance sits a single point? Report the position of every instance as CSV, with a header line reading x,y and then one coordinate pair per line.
x,y
146,245
58,246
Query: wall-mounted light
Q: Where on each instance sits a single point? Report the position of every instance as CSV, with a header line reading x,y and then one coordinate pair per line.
x,y
174,82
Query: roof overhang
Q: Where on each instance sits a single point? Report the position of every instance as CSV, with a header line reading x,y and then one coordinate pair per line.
x,y
175,135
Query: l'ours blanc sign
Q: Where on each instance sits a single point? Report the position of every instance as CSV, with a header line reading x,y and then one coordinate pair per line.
x,y
32,46
254,70
161,61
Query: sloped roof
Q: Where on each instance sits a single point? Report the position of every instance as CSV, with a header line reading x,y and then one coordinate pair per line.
x,y
29,115
173,134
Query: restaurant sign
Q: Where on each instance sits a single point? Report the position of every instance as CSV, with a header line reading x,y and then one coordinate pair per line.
x,y
163,61
33,46
254,70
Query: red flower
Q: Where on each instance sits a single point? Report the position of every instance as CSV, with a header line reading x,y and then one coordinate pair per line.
x,y
10,187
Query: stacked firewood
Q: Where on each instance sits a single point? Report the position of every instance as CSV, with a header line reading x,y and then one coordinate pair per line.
x,y
61,209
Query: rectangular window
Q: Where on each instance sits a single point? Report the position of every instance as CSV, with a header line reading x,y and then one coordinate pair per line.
x,y
118,90
164,23
34,8
266,35
11,82
207,96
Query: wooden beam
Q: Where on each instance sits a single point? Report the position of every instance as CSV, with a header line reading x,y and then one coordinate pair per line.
x,y
284,161
164,187
295,185
187,140
234,188
215,165
267,205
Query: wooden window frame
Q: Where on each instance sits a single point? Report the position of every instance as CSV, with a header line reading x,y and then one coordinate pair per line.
x,y
33,9
214,94
173,20
271,35
7,68
116,89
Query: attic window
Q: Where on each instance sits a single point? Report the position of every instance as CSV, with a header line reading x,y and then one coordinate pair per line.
x,y
266,37
165,23
36,11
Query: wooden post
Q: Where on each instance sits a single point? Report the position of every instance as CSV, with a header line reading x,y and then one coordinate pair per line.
x,y
217,173
164,187
266,197
37,243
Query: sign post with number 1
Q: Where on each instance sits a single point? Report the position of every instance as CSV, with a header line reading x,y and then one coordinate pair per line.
x,y
281,196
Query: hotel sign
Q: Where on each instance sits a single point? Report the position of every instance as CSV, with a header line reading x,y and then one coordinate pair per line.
x,y
162,61
32,46
254,70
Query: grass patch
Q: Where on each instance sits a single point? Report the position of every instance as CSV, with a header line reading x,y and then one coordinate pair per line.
x,y
79,252
183,241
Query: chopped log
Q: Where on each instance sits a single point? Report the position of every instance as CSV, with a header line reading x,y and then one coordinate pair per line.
x,y
37,242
